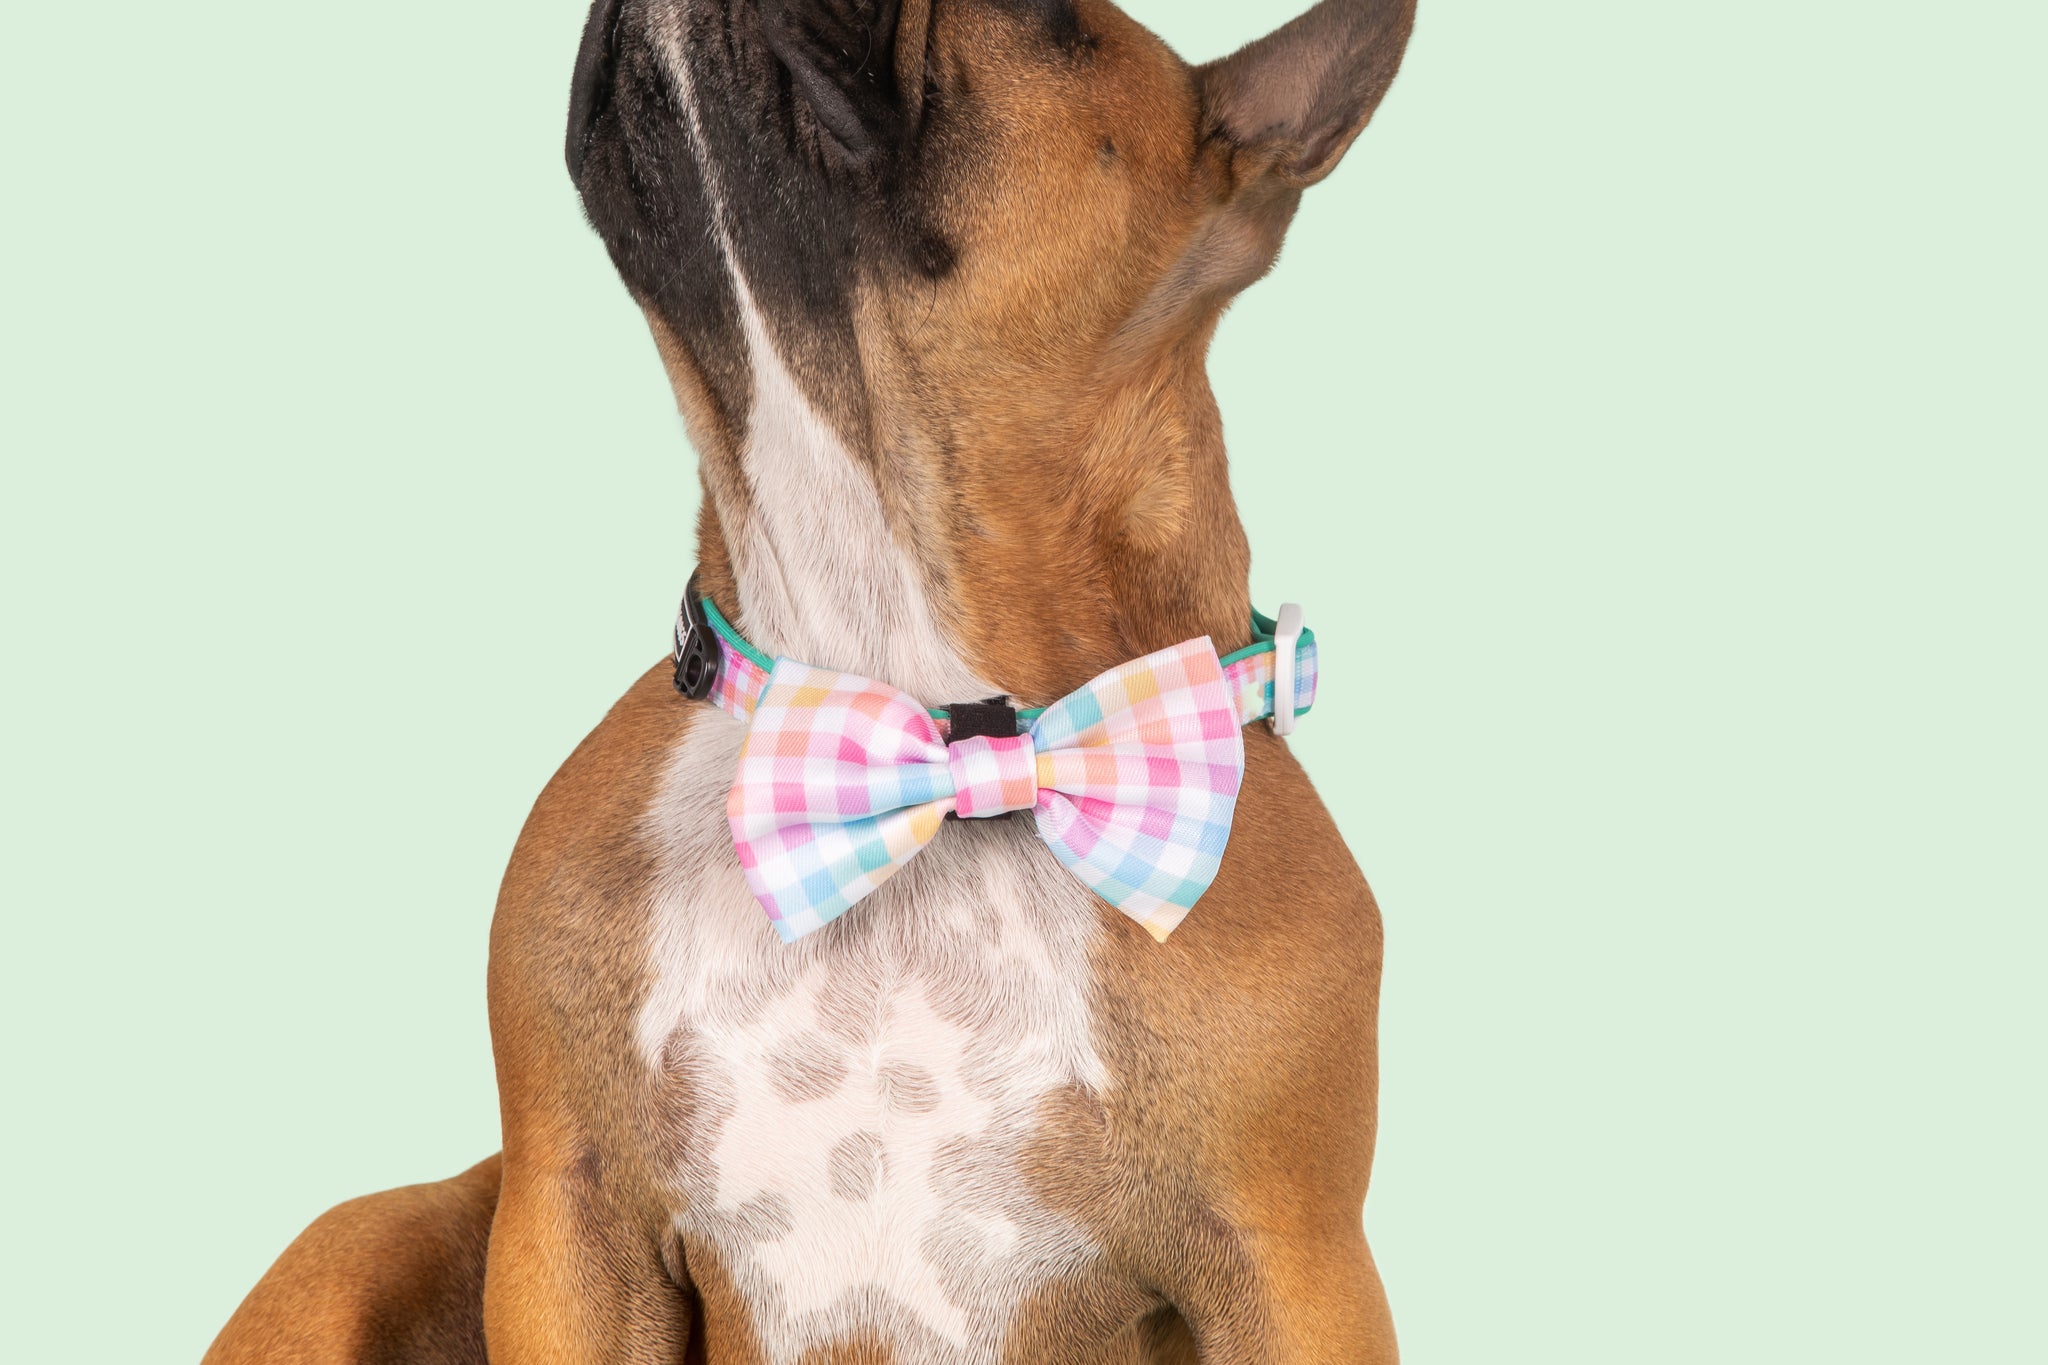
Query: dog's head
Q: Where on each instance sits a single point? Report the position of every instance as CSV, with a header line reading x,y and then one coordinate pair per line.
x,y
971,230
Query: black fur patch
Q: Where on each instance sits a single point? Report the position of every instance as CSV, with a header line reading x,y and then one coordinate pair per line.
x,y
800,138
629,148
839,55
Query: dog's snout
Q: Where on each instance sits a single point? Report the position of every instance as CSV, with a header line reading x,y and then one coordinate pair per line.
x,y
590,91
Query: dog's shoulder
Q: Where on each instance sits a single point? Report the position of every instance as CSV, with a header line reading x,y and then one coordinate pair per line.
x,y
567,939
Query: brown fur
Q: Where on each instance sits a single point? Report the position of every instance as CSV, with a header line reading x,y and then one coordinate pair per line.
x,y
1259,1168
390,1279
1042,433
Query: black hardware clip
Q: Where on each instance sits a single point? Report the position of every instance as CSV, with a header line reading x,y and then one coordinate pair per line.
x,y
696,647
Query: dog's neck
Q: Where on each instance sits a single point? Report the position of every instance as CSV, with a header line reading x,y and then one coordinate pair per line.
x,y
1016,548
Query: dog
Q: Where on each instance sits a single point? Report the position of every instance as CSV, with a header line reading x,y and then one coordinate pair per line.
x,y
933,282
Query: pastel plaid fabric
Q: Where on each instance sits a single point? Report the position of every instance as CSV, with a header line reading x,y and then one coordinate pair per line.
x,y
993,776
1133,781
743,672
741,681
1251,681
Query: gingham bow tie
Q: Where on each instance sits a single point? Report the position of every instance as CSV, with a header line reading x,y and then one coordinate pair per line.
x,y
1132,780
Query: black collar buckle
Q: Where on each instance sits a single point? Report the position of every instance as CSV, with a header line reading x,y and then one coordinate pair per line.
x,y
696,647
994,718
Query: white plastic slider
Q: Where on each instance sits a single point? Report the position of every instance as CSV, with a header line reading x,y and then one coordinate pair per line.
x,y
1286,638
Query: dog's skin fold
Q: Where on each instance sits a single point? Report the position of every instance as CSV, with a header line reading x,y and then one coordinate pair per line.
x,y
934,282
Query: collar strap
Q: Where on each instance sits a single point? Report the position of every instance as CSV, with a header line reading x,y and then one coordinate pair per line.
x,y
715,662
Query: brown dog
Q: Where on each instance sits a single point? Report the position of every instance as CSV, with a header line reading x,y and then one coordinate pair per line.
x,y
934,281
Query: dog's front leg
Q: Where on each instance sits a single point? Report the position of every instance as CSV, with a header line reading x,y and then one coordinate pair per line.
x,y
568,1286
584,1263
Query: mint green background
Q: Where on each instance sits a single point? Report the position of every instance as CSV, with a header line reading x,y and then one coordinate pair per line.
x,y
1649,416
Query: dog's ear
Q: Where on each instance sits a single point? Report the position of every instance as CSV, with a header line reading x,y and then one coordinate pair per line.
x,y
1277,117
590,90
1293,102
858,64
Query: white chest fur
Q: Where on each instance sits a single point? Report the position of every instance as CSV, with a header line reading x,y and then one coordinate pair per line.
x,y
857,1101
860,1096
821,575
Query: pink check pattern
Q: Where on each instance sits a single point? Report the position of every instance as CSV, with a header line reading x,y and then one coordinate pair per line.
x,y
742,678
1133,781
741,681
1251,681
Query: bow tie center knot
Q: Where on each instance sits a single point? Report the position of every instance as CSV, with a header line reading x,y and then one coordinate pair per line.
x,y
993,776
